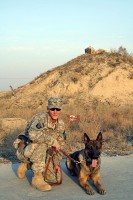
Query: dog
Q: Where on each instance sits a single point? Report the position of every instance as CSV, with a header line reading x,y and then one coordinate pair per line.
x,y
86,164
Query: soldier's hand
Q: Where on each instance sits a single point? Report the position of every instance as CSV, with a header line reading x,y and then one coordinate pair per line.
x,y
57,168
57,147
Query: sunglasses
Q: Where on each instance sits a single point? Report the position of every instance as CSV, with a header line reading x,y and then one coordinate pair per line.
x,y
53,109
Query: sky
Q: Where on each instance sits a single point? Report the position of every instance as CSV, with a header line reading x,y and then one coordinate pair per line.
x,y
38,35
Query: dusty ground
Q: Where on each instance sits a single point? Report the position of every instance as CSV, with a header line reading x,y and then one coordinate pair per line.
x,y
116,177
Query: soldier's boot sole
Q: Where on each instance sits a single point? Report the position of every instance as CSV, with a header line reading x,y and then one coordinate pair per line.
x,y
22,170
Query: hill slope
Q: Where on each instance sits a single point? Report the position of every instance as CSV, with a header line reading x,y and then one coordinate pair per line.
x,y
106,77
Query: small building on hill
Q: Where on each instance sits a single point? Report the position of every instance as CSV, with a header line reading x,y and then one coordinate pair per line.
x,y
90,50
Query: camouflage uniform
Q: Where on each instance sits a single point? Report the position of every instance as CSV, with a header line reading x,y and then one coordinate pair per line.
x,y
43,134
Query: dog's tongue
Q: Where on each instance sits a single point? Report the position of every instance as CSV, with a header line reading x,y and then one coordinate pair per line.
x,y
94,163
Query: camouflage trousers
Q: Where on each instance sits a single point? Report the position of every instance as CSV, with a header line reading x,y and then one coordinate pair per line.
x,y
38,155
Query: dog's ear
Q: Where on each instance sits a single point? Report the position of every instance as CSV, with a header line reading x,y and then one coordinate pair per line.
x,y
86,138
99,137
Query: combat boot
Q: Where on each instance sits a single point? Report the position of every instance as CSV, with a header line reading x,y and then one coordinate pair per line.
x,y
39,183
22,170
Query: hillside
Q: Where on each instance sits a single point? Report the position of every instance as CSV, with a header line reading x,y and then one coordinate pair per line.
x,y
97,86
107,77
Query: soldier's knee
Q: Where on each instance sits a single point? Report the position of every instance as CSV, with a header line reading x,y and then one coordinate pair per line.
x,y
20,155
29,149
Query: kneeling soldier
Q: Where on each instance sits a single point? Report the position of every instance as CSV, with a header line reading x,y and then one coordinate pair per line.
x,y
44,131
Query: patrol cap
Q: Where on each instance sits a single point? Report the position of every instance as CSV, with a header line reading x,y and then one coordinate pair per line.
x,y
55,102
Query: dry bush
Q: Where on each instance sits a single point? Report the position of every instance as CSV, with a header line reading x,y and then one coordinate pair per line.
x,y
130,59
130,75
7,151
125,56
115,123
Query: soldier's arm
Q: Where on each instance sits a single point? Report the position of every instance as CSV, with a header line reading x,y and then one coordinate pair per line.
x,y
62,136
39,134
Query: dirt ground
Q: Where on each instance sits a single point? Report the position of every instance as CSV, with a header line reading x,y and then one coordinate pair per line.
x,y
116,177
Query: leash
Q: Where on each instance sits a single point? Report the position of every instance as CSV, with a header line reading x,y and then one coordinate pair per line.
x,y
49,159
75,161
47,165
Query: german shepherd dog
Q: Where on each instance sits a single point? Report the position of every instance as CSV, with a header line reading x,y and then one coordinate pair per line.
x,y
87,165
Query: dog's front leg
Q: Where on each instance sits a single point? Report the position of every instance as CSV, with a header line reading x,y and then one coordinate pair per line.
x,y
97,183
83,181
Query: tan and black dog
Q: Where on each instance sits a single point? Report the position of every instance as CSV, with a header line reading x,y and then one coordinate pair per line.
x,y
87,166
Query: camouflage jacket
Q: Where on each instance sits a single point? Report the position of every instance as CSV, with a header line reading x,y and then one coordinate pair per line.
x,y
41,130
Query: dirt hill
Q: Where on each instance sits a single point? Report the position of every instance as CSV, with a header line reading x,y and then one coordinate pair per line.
x,y
107,77
95,86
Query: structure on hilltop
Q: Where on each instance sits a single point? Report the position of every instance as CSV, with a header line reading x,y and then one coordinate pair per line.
x,y
91,50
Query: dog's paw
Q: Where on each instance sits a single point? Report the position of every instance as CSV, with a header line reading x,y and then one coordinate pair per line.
x,y
102,191
90,192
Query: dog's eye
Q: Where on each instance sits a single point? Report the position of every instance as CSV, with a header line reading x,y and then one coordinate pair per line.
x,y
98,146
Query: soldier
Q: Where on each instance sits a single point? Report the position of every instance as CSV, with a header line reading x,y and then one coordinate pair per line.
x,y
45,130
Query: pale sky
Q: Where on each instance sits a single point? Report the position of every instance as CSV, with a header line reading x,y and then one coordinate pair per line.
x,y
37,35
